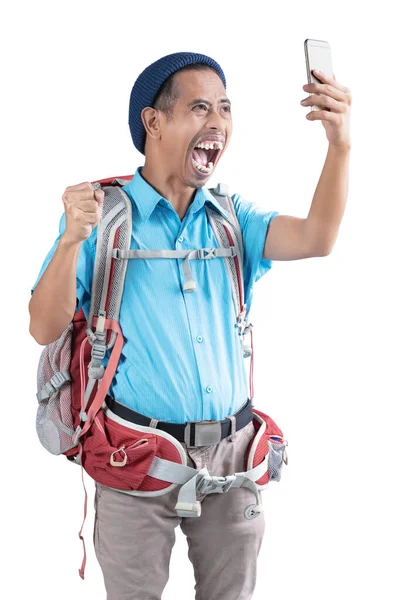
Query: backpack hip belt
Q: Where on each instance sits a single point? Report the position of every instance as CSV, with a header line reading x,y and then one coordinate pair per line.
x,y
154,463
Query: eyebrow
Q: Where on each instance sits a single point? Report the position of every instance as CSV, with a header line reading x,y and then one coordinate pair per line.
x,y
202,100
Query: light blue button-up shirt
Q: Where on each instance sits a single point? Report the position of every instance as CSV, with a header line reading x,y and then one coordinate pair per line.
x,y
182,359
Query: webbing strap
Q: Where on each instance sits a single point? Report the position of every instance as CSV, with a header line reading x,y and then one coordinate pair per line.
x,y
251,367
89,390
83,565
200,254
197,253
201,481
229,233
107,377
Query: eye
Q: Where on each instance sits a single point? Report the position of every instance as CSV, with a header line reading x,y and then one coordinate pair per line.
x,y
226,108
201,106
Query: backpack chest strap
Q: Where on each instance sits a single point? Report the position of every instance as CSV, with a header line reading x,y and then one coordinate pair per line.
x,y
187,255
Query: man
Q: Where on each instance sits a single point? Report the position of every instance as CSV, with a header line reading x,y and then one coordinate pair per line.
x,y
182,360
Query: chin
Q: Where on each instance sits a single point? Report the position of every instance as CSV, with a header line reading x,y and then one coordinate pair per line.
x,y
196,178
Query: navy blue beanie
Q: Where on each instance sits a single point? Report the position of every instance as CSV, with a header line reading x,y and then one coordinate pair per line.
x,y
149,82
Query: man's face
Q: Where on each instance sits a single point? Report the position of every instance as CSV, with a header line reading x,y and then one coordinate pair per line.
x,y
201,114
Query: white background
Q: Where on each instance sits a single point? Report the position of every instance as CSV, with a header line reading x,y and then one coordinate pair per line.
x,y
326,329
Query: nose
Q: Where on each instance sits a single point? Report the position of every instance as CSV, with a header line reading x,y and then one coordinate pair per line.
x,y
216,120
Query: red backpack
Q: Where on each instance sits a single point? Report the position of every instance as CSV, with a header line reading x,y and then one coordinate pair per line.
x,y
75,373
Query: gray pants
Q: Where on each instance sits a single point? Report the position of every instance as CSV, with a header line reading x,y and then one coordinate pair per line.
x,y
134,536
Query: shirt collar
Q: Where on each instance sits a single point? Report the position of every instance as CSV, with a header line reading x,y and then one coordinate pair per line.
x,y
146,197
143,195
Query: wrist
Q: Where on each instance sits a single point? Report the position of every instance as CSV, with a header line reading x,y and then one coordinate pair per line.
x,y
343,148
67,243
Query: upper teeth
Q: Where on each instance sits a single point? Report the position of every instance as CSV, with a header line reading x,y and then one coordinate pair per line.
x,y
210,145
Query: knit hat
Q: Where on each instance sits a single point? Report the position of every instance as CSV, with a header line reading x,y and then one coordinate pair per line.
x,y
149,82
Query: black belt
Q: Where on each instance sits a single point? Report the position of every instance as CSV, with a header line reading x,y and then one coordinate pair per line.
x,y
243,416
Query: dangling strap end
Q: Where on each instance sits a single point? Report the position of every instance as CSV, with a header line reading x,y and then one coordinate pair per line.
x,y
189,286
83,565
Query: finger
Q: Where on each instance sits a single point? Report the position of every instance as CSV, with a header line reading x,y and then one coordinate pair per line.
x,y
92,220
99,196
321,115
86,212
326,79
324,89
77,196
85,185
326,102
88,205
88,217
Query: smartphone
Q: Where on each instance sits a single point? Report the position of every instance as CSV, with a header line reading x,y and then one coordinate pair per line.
x,y
318,56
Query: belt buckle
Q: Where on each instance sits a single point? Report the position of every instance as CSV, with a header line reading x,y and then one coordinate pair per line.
x,y
207,433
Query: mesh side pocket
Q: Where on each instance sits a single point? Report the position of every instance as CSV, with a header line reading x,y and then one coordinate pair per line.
x,y
54,419
275,460
271,446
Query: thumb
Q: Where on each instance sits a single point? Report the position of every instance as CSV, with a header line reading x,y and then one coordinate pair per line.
x,y
99,195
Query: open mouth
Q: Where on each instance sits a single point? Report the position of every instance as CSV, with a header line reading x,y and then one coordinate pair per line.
x,y
205,156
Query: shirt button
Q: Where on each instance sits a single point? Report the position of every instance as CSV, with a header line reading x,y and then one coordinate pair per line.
x,y
209,389
199,338
180,238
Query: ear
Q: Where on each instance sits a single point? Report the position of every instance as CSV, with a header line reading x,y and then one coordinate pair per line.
x,y
151,122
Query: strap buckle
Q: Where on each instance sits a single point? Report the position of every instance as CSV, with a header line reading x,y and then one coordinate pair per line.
x,y
206,253
208,484
243,327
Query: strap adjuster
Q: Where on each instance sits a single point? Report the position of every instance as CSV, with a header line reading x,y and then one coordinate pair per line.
x,y
99,351
243,327
206,253
51,387
58,379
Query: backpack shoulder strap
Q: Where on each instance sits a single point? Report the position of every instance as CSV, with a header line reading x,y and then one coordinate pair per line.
x,y
228,233
114,231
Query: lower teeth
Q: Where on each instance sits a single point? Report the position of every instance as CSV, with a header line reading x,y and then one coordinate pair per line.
x,y
202,168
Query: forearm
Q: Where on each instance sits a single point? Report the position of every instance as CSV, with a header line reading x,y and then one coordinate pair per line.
x,y
329,200
53,302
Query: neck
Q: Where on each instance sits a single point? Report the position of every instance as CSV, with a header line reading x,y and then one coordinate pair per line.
x,y
169,186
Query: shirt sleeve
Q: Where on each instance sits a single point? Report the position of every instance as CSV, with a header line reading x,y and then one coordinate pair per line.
x,y
254,222
84,269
